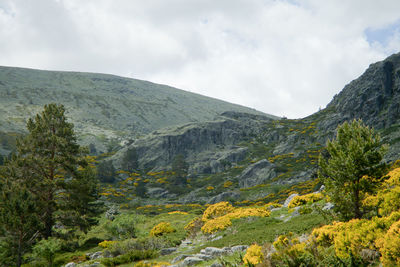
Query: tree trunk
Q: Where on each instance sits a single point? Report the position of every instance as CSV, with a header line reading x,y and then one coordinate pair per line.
x,y
357,206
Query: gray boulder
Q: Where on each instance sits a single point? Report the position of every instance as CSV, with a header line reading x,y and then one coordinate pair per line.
x,y
328,206
167,251
287,201
239,248
70,264
191,261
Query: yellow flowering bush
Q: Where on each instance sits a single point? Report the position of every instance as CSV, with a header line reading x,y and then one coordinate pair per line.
x,y
253,255
390,246
301,200
217,210
222,222
178,212
289,250
216,224
209,188
228,184
162,228
106,243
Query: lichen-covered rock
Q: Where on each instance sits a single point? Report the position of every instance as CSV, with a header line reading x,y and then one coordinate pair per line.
x,y
191,261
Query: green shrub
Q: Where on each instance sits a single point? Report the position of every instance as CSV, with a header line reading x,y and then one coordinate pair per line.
x,y
46,249
122,227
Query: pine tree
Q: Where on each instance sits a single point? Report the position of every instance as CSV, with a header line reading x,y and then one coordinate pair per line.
x,y
351,167
130,160
51,153
19,218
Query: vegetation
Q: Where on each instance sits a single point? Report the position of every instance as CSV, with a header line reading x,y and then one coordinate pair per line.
x,y
352,167
47,181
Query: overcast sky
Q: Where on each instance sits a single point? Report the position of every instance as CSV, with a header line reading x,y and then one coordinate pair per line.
x,y
286,58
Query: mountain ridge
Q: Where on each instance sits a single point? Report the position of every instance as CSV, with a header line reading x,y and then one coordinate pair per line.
x,y
104,108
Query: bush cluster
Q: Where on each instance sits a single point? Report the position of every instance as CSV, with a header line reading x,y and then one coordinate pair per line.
x,y
304,199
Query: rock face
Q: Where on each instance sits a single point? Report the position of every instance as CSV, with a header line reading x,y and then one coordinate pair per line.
x,y
205,146
257,173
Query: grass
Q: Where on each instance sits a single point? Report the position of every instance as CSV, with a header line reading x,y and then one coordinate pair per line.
x,y
246,231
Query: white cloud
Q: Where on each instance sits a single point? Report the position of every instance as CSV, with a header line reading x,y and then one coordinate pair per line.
x,y
281,57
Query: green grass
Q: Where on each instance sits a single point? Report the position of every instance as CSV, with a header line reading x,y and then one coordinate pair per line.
x,y
247,231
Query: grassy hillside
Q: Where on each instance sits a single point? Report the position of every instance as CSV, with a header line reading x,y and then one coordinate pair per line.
x,y
102,107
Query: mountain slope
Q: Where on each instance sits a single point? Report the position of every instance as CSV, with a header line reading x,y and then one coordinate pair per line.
x,y
102,106
273,152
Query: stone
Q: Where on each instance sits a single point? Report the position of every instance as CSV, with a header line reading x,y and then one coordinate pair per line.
x,y
287,201
70,264
167,251
217,238
95,255
203,256
328,206
216,264
112,212
213,251
191,261
239,248
179,258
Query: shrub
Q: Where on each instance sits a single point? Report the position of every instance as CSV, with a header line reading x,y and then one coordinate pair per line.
x,y
194,226
46,249
161,229
106,243
122,227
302,200
217,210
390,246
253,255
222,222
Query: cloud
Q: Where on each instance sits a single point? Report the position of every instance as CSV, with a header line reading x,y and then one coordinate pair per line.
x,y
281,57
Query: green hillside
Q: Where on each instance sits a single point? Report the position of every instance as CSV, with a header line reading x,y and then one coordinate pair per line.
x,y
104,108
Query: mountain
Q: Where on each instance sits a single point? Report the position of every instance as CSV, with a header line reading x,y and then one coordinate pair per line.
x,y
232,152
105,109
268,152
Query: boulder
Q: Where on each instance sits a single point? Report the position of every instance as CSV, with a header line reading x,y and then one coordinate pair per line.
x,y
328,206
239,248
70,264
167,251
287,201
191,261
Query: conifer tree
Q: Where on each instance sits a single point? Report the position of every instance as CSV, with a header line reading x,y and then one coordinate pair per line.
x,y
351,167
19,218
51,153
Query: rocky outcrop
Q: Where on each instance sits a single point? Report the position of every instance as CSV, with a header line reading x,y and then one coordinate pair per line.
x,y
207,147
257,173
206,254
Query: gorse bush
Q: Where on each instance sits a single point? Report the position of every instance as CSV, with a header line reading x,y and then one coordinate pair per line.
x,y
253,255
161,229
217,210
304,199
222,222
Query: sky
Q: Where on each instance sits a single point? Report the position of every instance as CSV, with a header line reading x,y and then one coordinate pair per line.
x,y
282,57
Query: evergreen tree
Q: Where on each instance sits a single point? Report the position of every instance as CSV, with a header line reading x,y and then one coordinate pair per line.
x,y
179,169
19,218
106,172
1,160
352,167
130,160
51,154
